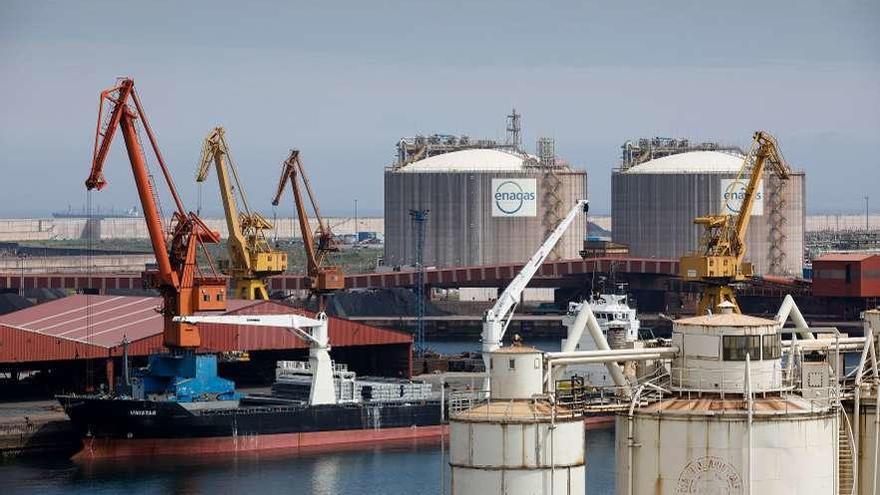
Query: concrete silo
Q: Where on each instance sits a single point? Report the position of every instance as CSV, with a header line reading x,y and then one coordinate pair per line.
x,y
655,202
487,205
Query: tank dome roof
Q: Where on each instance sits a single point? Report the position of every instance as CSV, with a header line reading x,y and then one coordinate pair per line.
x,y
691,162
472,160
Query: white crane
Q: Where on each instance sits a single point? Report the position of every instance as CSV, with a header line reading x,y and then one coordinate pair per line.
x,y
312,330
497,318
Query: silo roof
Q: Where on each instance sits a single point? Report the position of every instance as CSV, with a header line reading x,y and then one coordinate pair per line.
x,y
470,160
725,320
691,162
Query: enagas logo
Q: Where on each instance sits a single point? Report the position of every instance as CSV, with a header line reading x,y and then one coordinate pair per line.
x,y
733,192
514,197
510,197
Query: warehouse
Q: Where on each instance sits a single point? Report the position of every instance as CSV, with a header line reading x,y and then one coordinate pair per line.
x,y
847,275
78,340
655,202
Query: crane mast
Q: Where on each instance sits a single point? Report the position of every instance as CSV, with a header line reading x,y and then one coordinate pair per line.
x,y
720,261
251,259
183,288
322,278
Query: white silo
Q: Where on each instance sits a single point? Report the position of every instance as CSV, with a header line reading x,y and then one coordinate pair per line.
x,y
734,421
518,441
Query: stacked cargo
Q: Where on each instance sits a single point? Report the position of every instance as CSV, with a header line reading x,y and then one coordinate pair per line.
x,y
293,380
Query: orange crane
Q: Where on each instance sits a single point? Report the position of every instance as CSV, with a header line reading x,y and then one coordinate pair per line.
x,y
719,263
183,288
322,278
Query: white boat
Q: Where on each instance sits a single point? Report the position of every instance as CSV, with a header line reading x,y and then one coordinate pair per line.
x,y
619,323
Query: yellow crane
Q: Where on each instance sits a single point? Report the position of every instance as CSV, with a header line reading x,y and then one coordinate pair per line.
x,y
251,259
719,262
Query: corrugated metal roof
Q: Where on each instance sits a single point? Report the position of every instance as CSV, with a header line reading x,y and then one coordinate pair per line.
x,y
97,320
691,162
469,160
846,256
82,326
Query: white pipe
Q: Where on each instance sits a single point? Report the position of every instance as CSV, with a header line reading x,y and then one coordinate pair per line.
x,y
790,309
630,440
748,390
876,441
857,398
669,351
876,414
586,318
826,343
607,359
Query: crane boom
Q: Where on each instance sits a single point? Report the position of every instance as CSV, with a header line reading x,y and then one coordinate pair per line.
x,y
497,318
322,278
315,331
250,257
723,246
184,291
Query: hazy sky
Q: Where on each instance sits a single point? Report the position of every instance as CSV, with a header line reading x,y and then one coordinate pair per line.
x,y
342,81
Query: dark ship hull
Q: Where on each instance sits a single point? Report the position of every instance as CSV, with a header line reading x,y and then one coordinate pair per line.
x,y
128,427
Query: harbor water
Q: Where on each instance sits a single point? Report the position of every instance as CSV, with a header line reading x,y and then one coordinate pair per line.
x,y
399,469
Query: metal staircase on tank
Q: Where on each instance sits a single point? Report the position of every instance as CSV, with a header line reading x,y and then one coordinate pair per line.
x,y
845,461
776,200
551,184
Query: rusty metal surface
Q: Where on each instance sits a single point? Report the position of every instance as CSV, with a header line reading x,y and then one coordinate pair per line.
x,y
714,404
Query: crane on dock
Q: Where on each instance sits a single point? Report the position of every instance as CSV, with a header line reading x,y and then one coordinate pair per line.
x,y
720,261
251,259
185,290
322,278
497,318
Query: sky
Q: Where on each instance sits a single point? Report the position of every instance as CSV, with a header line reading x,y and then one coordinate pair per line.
x,y
343,81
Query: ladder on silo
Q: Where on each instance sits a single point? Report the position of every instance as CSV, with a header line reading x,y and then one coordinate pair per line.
x,y
845,459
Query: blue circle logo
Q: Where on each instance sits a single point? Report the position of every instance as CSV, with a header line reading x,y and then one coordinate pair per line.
x,y
510,197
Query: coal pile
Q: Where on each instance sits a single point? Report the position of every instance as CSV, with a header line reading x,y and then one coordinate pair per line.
x,y
13,302
379,302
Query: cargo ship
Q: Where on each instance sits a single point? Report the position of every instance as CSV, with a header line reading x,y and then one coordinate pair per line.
x,y
368,410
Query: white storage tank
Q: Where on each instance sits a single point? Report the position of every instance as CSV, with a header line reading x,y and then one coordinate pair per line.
x,y
486,206
710,436
517,442
653,205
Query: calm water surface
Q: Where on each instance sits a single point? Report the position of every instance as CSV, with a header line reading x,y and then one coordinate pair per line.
x,y
393,470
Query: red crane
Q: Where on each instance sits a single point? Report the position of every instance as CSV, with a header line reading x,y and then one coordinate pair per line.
x,y
183,288
322,278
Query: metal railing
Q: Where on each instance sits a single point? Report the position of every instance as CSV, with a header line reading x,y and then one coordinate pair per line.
x,y
722,381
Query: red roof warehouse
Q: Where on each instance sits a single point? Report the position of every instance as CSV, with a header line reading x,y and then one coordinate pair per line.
x,y
83,328
847,275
